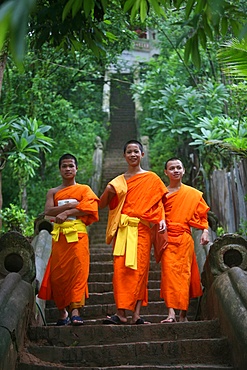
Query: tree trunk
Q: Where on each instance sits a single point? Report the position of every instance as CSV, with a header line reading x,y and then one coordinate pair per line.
x,y
1,198
24,198
3,61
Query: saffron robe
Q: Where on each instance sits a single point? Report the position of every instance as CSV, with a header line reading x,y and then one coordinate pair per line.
x,y
140,196
180,277
66,275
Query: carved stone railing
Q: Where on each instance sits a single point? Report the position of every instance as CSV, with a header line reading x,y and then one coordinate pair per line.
x,y
225,296
42,248
17,274
17,255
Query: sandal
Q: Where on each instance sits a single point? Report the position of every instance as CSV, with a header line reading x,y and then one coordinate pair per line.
x,y
140,321
63,322
76,320
114,319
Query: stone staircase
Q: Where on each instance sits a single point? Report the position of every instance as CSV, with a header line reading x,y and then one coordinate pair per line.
x,y
192,345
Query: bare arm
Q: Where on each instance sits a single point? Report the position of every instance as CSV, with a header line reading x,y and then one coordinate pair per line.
x,y
61,213
52,210
204,237
107,196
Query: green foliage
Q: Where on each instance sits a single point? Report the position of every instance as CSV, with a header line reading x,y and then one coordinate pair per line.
x,y
243,228
177,111
223,133
206,20
64,93
14,16
69,24
28,139
233,57
162,147
16,219
220,231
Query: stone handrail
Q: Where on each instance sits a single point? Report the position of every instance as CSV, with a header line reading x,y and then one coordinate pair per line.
x,y
42,249
225,297
17,274
16,306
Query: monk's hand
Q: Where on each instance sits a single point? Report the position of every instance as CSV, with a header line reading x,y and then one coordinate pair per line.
x,y
73,204
204,238
61,217
162,226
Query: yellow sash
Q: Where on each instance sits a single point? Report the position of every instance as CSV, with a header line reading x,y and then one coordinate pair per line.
x,y
121,188
70,229
127,240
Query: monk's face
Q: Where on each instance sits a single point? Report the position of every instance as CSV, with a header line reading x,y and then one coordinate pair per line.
x,y
133,154
174,170
68,168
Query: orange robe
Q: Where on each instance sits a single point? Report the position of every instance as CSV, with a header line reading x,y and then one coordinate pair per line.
x,y
180,277
66,275
143,198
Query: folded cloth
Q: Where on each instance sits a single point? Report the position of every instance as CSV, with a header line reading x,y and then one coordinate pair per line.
x,y
159,241
70,229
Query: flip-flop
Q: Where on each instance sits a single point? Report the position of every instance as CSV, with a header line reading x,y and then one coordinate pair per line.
x,y
168,320
63,322
141,321
76,320
113,320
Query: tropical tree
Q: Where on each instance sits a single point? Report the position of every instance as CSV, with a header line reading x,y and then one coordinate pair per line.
x,y
69,23
28,136
6,145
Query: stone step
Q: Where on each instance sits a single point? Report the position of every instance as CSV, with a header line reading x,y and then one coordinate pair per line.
x,y
104,257
152,319
107,277
160,352
101,247
191,345
106,266
155,310
107,334
44,366
103,298
98,287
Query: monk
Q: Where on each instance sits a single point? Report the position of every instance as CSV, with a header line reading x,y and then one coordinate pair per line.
x,y
184,208
135,201
71,207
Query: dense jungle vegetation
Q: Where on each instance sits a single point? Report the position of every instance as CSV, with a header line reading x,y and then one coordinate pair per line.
x,y
193,93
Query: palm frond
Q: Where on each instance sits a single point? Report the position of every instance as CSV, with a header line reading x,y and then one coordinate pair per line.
x,y
233,58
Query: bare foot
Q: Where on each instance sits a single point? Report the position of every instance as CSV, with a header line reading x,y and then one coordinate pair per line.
x,y
183,319
168,320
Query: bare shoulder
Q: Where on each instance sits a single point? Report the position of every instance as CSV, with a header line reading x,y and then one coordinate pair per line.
x,y
53,191
110,189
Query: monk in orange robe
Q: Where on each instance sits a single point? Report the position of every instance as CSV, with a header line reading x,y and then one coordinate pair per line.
x,y
71,207
184,208
135,201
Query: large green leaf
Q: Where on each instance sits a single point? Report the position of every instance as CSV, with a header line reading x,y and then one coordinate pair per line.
x,y
233,57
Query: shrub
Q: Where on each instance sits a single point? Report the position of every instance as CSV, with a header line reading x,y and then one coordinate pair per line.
x,y
16,219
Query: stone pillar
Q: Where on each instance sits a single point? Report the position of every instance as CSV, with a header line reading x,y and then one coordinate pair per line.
x,y
97,164
145,159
